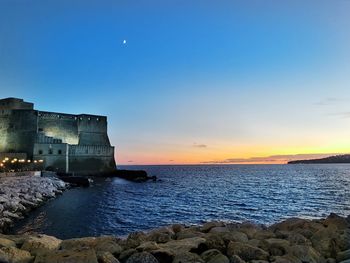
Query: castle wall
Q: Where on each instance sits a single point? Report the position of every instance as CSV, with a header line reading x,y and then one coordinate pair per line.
x,y
53,155
14,103
60,126
92,130
91,158
18,130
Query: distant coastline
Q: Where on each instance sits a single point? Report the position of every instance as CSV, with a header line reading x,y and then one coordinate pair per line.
x,y
345,158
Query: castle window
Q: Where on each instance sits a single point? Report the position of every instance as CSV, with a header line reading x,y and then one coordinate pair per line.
x,y
50,151
41,129
40,152
59,151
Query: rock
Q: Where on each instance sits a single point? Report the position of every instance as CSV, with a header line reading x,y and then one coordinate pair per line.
x,y
161,235
246,252
106,257
209,225
297,224
275,246
189,233
219,229
6,243
134,240
343,255
195,244
14,255
143,257
104,243
214,256
187,257
148,246
305,254
68,256
177,228
336,221
126,254
39,243
214,241
236,259
286,259
324,240
163,255
235,236
263,234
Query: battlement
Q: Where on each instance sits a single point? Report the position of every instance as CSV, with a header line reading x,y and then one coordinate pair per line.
x,y
65,116
15,104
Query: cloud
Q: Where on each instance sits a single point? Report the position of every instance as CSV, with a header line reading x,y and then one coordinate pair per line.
x,y
199,145
344,115
329,101
272,159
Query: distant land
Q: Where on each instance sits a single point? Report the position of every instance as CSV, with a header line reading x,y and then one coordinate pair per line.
x,y
345,158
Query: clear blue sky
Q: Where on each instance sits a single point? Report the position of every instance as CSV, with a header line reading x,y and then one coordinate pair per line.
x,y
196,81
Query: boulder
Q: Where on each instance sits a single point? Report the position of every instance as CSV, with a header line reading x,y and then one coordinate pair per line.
x,y
275,246
236,259
68,256
343,255
219,229
126,254
161,235
325,241
103,243
235,236
148,246
40,243
215,241
143,257
187,257
214,256
305,254
209,225
177,228
246,252
14,255
106,257
6,243
336,221
163,255
195,244
189,233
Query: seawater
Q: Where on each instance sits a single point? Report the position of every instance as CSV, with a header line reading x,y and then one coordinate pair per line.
x,y
194,194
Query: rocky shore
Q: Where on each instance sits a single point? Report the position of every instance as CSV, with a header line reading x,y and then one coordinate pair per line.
x,y
20,194
291,241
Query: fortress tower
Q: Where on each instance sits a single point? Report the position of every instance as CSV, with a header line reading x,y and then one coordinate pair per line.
x,y
66,142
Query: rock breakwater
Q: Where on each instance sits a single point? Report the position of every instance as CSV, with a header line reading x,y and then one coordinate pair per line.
x,y
20,194
294,240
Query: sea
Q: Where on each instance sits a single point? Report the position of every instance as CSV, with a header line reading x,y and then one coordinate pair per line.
x,y
194,194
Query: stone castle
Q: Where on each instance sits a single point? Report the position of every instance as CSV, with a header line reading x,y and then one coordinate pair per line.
x,y
64,142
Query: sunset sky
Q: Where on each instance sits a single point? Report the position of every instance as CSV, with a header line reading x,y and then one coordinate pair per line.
x,y
194,81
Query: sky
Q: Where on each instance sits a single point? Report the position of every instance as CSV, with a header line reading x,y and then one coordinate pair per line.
x,y
188,82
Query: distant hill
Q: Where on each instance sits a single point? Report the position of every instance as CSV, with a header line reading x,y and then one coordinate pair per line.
x,y
345,158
